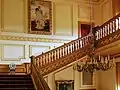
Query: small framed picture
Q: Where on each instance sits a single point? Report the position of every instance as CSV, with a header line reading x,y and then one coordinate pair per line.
x,y
64,85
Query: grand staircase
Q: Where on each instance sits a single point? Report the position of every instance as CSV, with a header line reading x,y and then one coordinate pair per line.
x,y
54,59
16,82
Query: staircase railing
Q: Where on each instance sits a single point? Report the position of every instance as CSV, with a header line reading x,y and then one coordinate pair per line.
x,y
108,27
53,55
41,61
39,82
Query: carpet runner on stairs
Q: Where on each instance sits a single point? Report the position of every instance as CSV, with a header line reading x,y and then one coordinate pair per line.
x,y
16,82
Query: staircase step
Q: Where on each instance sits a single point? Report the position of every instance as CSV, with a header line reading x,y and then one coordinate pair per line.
x,y
17,89
16,85
15,78
16,82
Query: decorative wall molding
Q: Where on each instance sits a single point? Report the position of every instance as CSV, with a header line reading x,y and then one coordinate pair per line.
x,y
68,9
10,52
32,39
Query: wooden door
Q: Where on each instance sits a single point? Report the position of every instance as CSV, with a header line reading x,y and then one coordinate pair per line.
x,y
83,28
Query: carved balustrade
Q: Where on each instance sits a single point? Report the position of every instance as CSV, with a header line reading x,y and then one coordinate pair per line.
x,y
108,27
62,51
108,31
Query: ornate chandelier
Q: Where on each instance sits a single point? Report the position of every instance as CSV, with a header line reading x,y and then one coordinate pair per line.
x,y
95,63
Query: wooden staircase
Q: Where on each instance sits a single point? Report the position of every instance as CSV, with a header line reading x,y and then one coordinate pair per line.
x,y
54,59
16,82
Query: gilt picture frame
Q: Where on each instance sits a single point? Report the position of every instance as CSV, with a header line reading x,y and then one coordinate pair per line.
x,y
64,84
39,17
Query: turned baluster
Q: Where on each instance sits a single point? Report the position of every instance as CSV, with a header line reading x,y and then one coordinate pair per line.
x,y
45,58
64,49
80,43
61,52
84,41
48,58
53,55
108,29
51,59
112,27
56,55
69,48
40,63
99,34
87,40
76,44
105,30
42,60
72,46
102,32
37,62
119,22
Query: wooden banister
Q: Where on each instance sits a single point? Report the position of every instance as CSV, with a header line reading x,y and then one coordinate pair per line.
x,y
39,82
41,62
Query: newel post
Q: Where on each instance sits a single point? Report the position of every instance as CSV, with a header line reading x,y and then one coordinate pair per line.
x,y
32,60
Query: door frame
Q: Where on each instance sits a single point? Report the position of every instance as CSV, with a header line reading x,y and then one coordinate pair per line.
x,y
79,26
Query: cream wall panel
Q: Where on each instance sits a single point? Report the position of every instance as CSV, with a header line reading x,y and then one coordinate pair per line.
x,y
63,19
109,76
13,52
37,50
84,13
66,74
106,10
75,20
13,15
96,15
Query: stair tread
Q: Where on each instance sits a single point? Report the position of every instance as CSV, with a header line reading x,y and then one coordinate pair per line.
x,y
16,82
17,89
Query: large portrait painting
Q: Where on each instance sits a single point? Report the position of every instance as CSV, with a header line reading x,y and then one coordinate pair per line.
x,y
40,17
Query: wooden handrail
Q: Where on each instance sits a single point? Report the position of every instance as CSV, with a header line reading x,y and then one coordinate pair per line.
x,y
37,77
